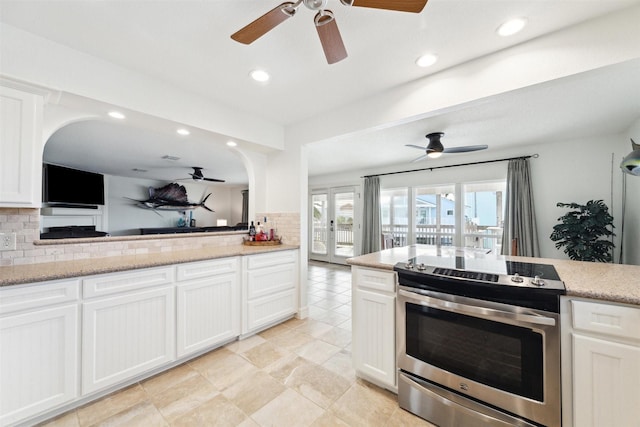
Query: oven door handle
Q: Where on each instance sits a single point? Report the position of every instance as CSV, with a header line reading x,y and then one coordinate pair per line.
x,y
484,312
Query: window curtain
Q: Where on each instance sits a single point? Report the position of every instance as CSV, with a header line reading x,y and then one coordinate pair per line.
x,y
245,206
520,220
371,228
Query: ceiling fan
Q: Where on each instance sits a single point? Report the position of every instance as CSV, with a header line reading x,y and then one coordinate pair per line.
x,y
324,21
198,176
435,148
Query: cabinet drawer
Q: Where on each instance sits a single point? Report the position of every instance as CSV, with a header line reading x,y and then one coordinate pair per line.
x,y
374,279
38,295
201,269
269,280
270,309
269,259
609,319
108,284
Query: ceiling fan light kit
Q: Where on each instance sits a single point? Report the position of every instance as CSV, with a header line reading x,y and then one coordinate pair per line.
x,y
631,163
435,148
324,21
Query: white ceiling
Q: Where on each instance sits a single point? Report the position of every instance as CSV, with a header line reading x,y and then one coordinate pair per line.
x,y
186,44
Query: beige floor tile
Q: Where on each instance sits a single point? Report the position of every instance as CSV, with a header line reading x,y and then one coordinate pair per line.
x,y
318,351
402,418
165,380
291,340
314,328
364,405
218,411
274,331
318,384
264,354
111,405
223,368
184,397
288,410
294,322
240,346
284,368
342,364
142,414
333,318
69,419
329,420
337,336
253,392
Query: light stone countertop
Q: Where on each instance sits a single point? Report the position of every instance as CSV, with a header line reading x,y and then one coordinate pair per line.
x,y
602,281
30,273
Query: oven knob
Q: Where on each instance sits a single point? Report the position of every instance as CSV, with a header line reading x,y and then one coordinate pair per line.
x,y
464,387
408,265
537,281
516,278
421,266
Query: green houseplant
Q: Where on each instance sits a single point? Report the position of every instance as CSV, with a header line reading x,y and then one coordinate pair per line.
x,y
580,231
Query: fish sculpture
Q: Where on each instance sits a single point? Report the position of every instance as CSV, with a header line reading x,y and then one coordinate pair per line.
x,y
171,197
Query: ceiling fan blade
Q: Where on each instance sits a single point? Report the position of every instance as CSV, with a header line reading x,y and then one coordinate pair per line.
x,y
415,146
330,38
465,149
264,24
213,179
414,6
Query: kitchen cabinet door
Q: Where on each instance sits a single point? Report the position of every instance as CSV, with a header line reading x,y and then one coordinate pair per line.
x,y
20,148
374,347
38,361
606,379
208,312
126,335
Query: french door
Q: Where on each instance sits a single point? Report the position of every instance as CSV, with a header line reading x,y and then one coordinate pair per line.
x,y
334,224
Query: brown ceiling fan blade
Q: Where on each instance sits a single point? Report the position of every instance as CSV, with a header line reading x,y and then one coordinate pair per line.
x,y
414,6
330,38
264,24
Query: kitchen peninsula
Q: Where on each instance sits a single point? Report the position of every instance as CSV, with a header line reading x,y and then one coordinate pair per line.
x,y
73,331
596,326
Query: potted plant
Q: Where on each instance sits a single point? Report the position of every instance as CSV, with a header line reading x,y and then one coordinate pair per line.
x,y
580,231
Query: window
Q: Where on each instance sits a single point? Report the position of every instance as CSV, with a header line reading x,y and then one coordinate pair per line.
x,y
466,214
394,214
435,220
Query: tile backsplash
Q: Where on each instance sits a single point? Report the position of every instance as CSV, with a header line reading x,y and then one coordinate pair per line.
x,y
29,250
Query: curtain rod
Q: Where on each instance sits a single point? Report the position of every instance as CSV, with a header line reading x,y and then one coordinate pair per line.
x,y
535,156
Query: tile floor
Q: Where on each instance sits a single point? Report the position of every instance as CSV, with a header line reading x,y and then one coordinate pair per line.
x,y
298,373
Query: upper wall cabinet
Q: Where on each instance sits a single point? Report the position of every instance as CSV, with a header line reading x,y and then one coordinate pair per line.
x,y
20,147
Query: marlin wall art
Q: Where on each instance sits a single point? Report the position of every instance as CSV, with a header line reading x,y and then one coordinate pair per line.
x,y
171,197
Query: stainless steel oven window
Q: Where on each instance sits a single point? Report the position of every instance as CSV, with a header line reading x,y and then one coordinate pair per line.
x,y
499,355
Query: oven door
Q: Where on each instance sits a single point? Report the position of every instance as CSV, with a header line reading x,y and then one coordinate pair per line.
x,y
506,356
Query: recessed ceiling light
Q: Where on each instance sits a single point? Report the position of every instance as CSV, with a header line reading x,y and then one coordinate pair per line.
x,y
169,157
260,76
183,132
139,170
511,27
426,60
231,143
116,115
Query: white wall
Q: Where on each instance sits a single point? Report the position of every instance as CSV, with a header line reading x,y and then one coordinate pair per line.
x,y
124,217
565,171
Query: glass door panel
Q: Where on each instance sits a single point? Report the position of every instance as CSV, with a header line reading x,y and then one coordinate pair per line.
x,y
343,205
319,226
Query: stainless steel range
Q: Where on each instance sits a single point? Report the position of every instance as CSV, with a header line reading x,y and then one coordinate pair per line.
x,y
478,341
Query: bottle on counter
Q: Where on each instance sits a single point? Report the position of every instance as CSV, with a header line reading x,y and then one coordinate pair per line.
x,y
252,232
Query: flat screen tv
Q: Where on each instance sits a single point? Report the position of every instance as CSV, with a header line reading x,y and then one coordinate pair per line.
x,y
66,186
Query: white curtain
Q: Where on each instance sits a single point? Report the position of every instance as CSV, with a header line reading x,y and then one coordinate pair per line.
x,y
371,228
520,219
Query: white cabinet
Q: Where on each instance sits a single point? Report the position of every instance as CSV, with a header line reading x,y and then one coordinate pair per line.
x,y
129,331
270,288
20,147
39,346
374,343
601,363
207,304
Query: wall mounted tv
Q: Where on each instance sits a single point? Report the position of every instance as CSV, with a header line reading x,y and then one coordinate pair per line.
x,y
66,186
